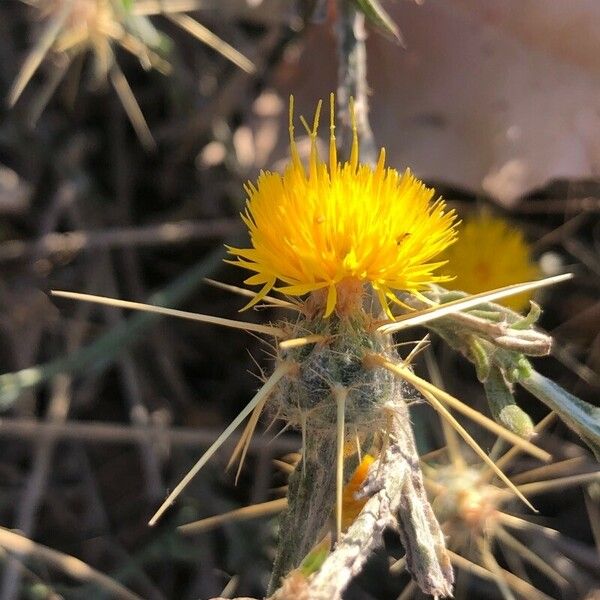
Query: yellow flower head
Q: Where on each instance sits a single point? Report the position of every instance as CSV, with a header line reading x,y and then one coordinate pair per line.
x,y
329,224
490,253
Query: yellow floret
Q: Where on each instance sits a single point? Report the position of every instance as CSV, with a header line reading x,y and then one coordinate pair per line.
x,y
317,227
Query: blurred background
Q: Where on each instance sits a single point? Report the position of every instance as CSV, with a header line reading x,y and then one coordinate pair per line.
x,y
127,130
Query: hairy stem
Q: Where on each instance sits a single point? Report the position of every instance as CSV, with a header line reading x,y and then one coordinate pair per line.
x,y
311,496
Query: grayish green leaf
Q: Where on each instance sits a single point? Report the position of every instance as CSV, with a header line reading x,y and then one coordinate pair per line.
x,y
580,416
376,14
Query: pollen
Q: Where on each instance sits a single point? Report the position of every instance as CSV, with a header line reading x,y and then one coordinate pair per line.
x,y
329,226
490,253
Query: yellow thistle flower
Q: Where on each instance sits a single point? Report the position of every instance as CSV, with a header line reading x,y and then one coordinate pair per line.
x,y
490,253
329,225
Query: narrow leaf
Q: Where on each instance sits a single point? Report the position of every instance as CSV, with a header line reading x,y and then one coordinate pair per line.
x,y
580,416
376,15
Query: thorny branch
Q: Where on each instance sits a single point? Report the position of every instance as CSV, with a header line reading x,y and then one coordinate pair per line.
x,y
398,501
311,494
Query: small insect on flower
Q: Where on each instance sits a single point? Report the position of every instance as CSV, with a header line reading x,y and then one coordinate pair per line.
x,y
490,253
479,519
336,226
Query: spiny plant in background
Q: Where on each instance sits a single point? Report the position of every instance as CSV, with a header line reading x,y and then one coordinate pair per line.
x,y
363,244
478,517
71,28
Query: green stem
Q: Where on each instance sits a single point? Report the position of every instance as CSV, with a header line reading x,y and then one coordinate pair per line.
x,y
503,407
311,496
580,416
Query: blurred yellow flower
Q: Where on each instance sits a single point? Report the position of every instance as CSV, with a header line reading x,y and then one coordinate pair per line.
x,y
490,253
335,226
